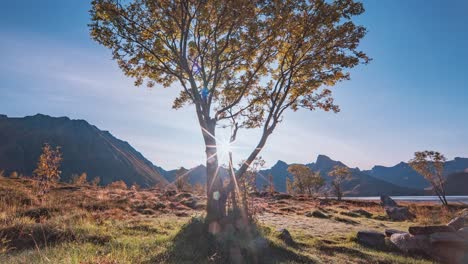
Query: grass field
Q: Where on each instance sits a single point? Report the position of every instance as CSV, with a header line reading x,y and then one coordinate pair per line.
x,y
84,224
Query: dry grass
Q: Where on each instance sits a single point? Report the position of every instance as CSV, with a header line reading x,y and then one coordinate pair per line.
x,y
84,224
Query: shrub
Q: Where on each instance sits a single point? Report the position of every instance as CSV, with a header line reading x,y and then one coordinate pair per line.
x,y
118,185
79,179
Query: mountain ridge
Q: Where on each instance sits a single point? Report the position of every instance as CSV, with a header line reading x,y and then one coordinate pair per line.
x,y
85,148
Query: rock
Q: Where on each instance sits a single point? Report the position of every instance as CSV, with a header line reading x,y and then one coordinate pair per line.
x,y
387,201
445,247
390,232
190,203
362,212
452,238
183,195
463,232
449,247
316,213
170,193
350,214
399,213
427,230
457,222
286,236
147,211
447,253
409,243
282,196
159,206
371,238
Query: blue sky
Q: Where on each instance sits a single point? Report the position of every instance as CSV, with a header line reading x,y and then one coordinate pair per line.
x,y
412,96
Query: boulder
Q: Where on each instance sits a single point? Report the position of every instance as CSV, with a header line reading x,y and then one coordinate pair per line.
x,y
447,253
387,201
463,232
362,212
390,232
452,238
316,213
427,230
286,236
457,222
371,238
449,247
409,243
398,213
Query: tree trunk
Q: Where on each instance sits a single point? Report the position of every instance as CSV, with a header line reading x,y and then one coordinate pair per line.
x,y
216,196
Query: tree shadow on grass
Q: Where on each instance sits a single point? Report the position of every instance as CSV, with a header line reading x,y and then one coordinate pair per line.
x,y
194,244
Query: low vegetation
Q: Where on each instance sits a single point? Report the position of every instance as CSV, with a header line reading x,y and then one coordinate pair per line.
x,y
113,224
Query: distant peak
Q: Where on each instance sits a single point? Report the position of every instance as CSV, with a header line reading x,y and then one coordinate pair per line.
x,y
324,162
280,163
322,158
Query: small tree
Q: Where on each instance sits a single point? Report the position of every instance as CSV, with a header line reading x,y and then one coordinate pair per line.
x,y
271,184
247,185
289,186
181,181
79,179
340,174
47,170
305,180
430,164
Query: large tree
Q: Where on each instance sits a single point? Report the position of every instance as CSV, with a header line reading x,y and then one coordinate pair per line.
x,y
239,63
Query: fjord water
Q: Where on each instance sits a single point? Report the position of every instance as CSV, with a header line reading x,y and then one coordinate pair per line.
x,y
453,199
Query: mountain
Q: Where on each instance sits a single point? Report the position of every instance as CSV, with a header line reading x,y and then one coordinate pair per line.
x,y
85,148
360,183
196,175
403,175
457,183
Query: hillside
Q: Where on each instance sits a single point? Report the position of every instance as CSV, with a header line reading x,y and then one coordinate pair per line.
x,y
85,148
457,184
360,184
403,175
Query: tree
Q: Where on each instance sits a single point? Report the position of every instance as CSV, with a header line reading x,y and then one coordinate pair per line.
x,y
47,170
181,181
304,179
339,174
271,184
289,186
430,164
240,63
